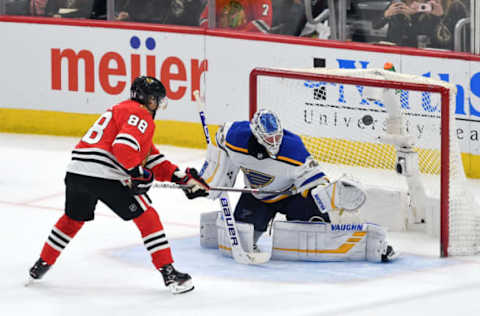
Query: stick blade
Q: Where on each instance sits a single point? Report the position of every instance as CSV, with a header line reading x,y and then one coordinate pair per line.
x,y
251,257
260,257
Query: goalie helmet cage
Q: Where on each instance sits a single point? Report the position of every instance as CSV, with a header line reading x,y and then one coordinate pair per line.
x,y
305,96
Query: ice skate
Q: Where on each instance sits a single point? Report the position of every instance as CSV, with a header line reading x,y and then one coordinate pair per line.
x,y
389,255
37,271
176,281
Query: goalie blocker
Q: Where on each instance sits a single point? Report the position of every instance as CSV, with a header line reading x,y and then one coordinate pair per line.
x,y
311,241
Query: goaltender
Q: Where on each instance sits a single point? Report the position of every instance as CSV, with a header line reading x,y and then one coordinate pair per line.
x,y
274,159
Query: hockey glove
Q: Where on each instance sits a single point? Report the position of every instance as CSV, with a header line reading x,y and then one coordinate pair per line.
x,y
197,186
141,180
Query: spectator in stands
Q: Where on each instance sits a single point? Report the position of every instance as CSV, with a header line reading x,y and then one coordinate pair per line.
x,y
410,21
176,12
37,7
289,17
186,12
99,10
455,10
241,15
69,8
17,7
319,30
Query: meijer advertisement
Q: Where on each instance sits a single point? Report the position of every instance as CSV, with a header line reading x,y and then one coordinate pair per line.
x,y
56,77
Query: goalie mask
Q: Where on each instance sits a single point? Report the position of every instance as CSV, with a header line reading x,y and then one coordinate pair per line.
x,y
268,131
150,92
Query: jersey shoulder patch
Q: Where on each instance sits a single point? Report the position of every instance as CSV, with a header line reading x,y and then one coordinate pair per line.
x,y
237,136
292,150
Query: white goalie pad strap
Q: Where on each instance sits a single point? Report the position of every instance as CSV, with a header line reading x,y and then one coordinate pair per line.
x,y
315,241
376,242
245,232
218,170
208,229
345,193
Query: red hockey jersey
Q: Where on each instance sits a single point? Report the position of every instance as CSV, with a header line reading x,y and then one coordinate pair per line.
x,y
120,139
241,15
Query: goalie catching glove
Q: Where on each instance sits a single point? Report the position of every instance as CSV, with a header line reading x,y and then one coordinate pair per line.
x,y
141,180
197,186
344,194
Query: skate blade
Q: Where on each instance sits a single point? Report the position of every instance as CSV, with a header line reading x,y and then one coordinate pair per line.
x,y
394,256
185,287
29,282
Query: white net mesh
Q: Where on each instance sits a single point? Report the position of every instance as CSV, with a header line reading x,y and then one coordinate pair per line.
x,y
340,121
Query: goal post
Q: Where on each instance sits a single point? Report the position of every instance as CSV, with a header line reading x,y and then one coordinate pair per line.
x,y
374,118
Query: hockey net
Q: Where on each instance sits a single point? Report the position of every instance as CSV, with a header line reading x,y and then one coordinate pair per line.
x,y
366,118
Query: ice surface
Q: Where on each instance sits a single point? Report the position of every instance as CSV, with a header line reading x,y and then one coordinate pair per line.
x,y
106,271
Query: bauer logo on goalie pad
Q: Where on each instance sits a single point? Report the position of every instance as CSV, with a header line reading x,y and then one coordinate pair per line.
x,y
227,216
346,227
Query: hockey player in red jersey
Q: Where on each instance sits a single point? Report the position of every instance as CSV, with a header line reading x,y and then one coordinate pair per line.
x,y
116,162
241,15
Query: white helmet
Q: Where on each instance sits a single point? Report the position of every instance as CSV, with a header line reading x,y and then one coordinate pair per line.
x,y
268,131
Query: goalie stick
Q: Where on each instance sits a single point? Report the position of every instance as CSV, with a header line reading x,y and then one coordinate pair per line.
x,y
238,253
169,185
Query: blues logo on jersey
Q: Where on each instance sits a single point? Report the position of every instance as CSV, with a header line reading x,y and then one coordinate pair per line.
x,y
256,178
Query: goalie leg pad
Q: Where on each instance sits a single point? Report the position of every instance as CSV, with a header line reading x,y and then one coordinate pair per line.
x,y
345,193
245,232
208,230
317,241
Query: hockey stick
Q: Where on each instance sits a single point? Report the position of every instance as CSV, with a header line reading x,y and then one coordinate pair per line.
x,y
239,255
169,185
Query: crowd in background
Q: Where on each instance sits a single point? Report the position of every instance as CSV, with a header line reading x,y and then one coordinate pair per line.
x,y
415,23
422,23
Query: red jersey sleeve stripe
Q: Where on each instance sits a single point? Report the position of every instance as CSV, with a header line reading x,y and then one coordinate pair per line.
x,y
154,160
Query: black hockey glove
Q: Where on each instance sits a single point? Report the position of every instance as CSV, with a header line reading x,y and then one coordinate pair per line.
x,y
141,180
197,186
